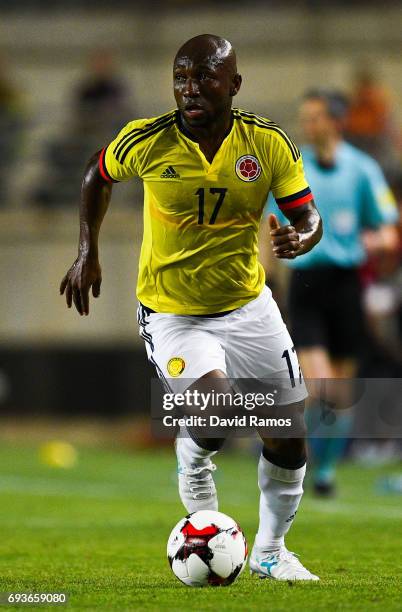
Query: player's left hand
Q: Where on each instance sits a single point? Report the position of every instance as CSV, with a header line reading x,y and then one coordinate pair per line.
x,y
285,240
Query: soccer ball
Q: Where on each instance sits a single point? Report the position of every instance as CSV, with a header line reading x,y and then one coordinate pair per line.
x,y
207,548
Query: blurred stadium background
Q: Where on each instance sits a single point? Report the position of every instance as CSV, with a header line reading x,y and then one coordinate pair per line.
x,y
71,73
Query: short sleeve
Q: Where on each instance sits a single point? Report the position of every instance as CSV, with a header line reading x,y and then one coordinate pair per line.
x,y
118,161
378,203
272,208
289,185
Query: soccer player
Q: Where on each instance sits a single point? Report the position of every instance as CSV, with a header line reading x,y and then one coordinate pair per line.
x,y
204,311
327,321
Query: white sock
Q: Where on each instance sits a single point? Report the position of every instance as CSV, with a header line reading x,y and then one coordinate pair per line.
x,y
281,492
189,454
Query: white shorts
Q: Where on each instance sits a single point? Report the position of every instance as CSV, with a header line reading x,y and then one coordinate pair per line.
x,y
252,342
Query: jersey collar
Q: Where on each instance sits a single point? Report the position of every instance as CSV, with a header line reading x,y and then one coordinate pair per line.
x,y
188,135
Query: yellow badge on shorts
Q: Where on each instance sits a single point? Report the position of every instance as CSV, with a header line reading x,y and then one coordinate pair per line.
x,y
176,366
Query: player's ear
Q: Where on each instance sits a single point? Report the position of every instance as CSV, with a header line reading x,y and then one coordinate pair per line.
x,y
236,84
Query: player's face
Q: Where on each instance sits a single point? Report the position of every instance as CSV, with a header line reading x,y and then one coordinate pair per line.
x,y
203,89
316,123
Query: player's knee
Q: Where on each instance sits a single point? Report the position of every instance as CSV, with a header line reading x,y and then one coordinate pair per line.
x,y
289,453
210,444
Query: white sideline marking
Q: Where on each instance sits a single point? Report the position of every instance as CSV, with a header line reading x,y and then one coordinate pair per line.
x,y
49,523
51,487
25,485
355,511
106,490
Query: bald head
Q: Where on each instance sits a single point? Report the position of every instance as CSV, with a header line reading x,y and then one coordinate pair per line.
x,y
205,80
210,49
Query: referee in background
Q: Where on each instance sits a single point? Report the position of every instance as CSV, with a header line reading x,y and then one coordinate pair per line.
x,y
325,310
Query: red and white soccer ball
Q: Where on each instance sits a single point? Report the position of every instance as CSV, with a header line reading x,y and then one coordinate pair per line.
x,y
207,548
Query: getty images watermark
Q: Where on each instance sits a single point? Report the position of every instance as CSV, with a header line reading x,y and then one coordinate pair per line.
x,y
210,400
193,398
373,407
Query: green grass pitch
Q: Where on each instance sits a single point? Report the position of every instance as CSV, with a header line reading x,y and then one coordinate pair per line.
x,y
98,531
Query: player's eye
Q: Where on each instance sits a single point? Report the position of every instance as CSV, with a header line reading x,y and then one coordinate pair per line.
x,y
179,77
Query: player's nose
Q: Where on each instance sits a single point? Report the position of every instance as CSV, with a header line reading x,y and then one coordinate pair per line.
x,y
191,88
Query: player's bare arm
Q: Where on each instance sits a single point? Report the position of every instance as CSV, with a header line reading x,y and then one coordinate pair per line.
x,y
383,240
86,271
305,231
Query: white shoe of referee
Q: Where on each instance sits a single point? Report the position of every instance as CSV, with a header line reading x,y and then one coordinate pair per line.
x,y
280,565
196,485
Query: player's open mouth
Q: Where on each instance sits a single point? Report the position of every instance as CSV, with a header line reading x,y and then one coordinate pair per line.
x,y
193,111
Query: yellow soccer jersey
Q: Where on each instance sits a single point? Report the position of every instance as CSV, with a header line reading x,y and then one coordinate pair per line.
x,y
200,246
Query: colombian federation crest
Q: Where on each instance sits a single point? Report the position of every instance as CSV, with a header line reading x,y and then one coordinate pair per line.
x,y
176,366
248,168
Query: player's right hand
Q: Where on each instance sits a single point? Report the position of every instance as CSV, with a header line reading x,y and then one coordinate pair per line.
x,y
285,239
83,274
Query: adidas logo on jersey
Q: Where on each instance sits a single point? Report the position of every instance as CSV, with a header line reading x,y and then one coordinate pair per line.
x,y
170,172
